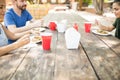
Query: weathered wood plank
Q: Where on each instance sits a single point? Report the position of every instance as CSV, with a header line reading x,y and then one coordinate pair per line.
x,y
101,56
72,64
70,16
65,67
96,58
112,42
10,62
38,64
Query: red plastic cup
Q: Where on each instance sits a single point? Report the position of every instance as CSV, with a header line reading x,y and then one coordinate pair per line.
x,y
87,26
46,40
52,26
76,26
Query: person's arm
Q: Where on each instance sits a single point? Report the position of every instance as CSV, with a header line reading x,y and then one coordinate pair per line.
x,y
34,24
102,27
20,42
14,29
14,36
107,28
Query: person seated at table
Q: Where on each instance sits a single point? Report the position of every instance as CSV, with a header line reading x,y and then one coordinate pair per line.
x,y
15,18
4,46
116,24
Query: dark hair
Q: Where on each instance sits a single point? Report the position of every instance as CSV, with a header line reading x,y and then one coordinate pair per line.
x,y
117,1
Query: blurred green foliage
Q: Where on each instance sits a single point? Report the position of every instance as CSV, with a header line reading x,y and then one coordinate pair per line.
x,y
87,1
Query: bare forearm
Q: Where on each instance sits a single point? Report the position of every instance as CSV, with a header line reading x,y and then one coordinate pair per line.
x,y
15,29
8,48
18,35
21,29
102,27
15,36
109,28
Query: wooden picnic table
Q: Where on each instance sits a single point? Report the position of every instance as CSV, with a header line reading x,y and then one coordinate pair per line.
x,y
97,58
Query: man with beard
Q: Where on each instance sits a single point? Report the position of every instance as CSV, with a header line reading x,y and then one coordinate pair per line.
x,y
15,18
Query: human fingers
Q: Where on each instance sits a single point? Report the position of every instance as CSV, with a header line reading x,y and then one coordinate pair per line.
x,y
24,40
38,23
24,37
96,22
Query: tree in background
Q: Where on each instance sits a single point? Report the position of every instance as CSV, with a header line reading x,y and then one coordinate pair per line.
x,y
98,5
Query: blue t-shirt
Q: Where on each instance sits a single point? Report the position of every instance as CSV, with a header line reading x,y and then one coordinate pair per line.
x,y
3,37
11,18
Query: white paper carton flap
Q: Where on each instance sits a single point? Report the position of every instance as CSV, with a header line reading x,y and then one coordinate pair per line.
x,y
61,26
72,38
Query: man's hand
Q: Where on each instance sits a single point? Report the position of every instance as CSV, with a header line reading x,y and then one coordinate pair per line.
x,y
34,24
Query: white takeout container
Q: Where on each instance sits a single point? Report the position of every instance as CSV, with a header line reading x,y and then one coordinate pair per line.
x,y
61,26
72,38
